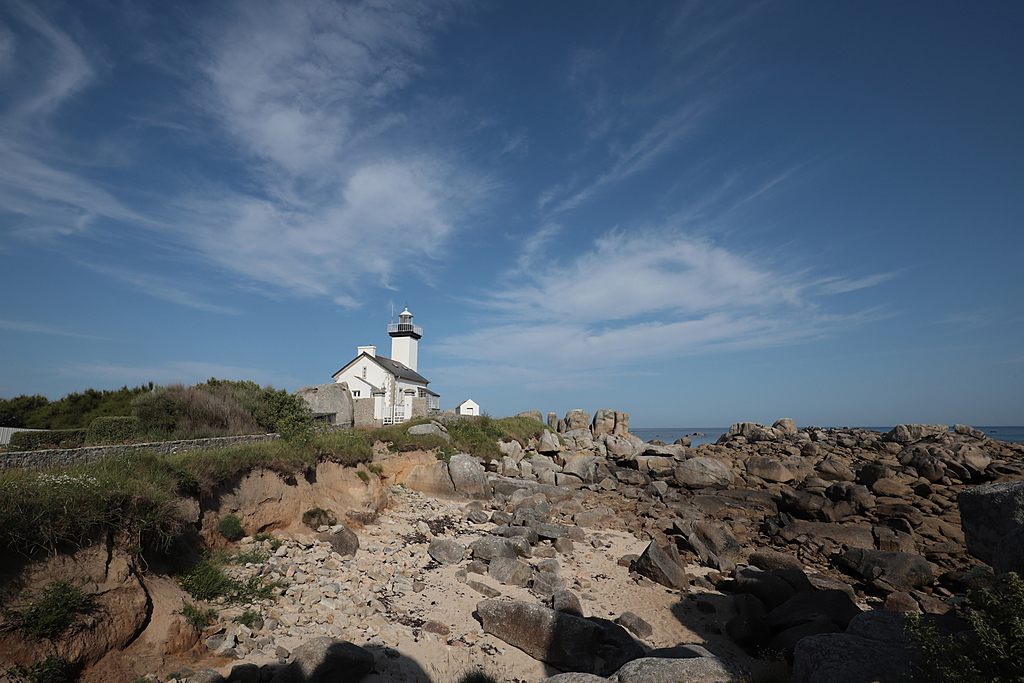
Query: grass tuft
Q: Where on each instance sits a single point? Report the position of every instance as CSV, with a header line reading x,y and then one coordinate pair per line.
x,y
52,614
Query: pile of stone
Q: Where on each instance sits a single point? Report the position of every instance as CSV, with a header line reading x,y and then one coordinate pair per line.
x,y
808,530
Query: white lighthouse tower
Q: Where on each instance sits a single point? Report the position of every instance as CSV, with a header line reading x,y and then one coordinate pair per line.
x,y
405,340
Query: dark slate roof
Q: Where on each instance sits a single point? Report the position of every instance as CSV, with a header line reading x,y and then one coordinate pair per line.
x,y
401,371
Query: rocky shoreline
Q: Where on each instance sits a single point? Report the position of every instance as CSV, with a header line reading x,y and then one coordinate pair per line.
x,y
590,551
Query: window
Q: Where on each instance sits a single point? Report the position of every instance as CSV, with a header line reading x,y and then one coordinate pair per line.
x,y
355,394
364,372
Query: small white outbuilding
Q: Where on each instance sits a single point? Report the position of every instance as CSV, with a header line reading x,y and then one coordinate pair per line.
x,y
468,407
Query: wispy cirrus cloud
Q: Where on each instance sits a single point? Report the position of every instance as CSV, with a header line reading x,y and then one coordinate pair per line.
x,y
307,101
657,294
160,287
38,328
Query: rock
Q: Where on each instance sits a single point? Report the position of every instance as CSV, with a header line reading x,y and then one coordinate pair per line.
x,y
446,550
556,638
469,477
713,544
512,449
330,399
431,428
664,670
1009,553
846,658
549,443
483,589
488,548
343,541
772,590
566,601
635,625
785,426
768,469
892,488
546,584
244,673
206,676
532,414
604,422
698,473
913,432
575,677
892,571
840,534
988,513
576,419
623,446
432,479
326,660
803,607
749,627
510,571
772,559
831,469
658,566
582,466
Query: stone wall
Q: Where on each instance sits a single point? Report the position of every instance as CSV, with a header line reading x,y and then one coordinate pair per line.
x,y
76,456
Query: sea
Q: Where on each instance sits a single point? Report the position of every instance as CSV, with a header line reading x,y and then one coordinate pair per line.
x,y
699,435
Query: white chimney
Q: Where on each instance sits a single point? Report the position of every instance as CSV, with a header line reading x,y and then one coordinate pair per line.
x,y
372,350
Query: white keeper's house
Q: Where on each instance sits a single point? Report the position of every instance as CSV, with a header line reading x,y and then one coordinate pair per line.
x,y
389,390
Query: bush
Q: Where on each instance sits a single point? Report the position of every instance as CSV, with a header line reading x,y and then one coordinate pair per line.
x,y
174,412
315,518
230,527
50,670
248,618
206,581
52,614
112,430
994,651
48,438
197,617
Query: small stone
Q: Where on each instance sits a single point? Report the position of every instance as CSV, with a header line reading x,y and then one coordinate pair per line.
x,y
483,589
637,625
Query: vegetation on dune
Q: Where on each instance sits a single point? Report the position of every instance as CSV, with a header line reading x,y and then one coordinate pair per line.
x,y
74,411
135,497
217,407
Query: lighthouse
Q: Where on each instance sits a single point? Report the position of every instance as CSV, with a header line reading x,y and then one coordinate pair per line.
x,y
405,340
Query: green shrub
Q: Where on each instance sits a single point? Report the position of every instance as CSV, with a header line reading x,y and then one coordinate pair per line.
x,y
47,438
275,542
50,670
53,613
994,651
315,518
230,527
105,431
175,412
248,618
206,581
197,617
364,475
254,556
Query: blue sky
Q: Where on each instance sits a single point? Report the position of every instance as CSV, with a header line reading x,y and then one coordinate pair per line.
x,y
695,212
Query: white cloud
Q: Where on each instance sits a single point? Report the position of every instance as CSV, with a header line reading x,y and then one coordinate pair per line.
x,y
638,298
625,276
63,71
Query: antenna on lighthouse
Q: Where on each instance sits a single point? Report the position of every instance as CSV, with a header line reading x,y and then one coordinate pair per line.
x,y
392,311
